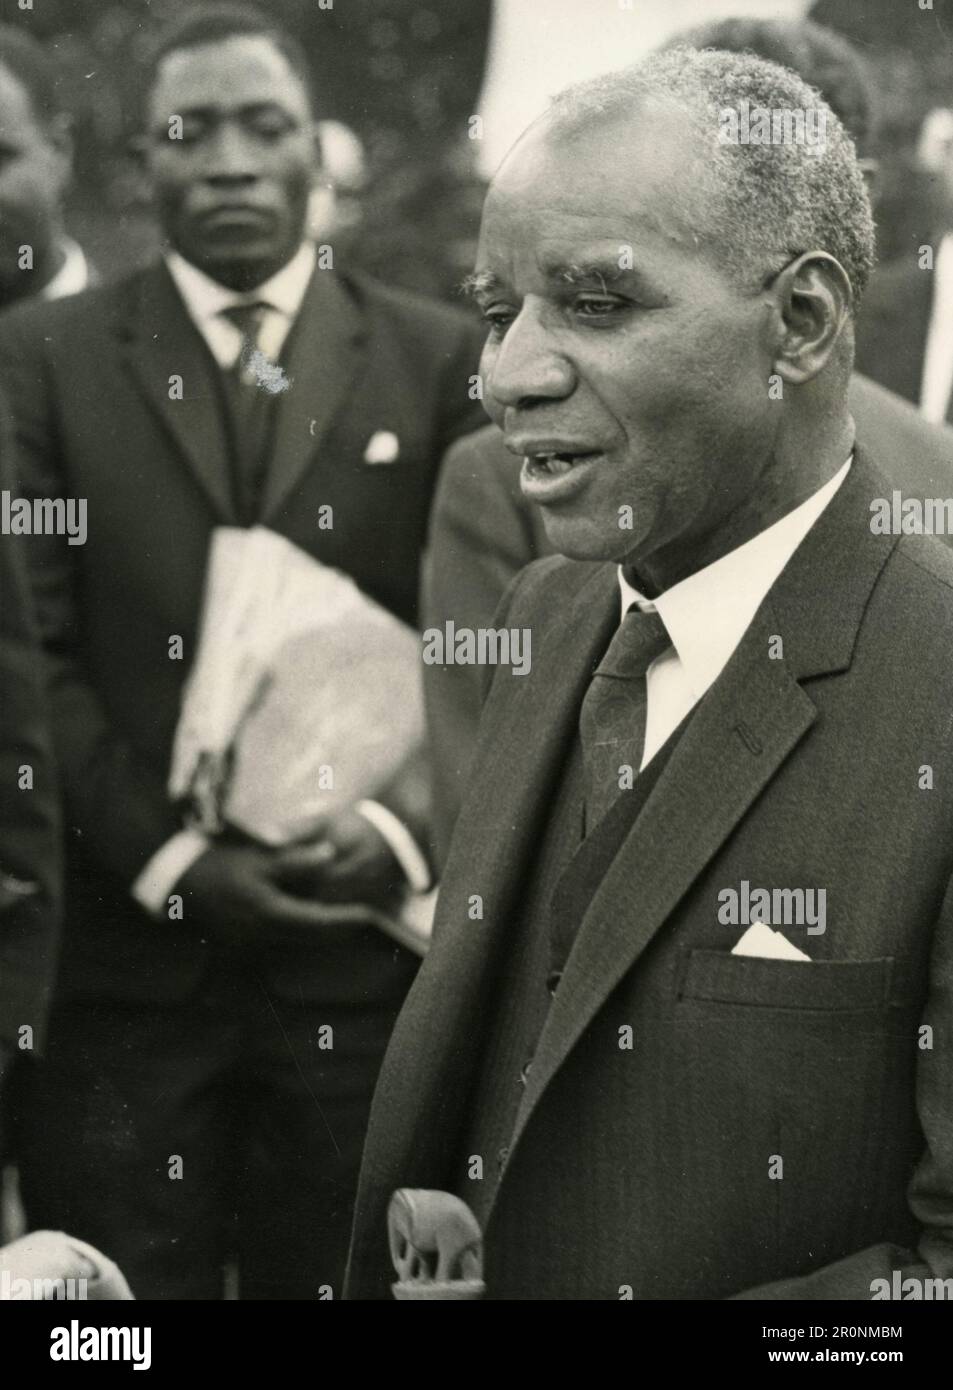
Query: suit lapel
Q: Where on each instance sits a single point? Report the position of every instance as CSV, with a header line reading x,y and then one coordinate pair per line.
x,y
532,729
161,342
321,358
744,728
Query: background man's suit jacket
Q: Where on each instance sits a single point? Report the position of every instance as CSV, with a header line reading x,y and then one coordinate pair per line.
x,y
482,531
650,1167
88,382
30,854
892,327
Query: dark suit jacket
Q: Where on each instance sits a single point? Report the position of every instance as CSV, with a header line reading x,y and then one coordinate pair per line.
x,y
89,389
649,1167
482,532
892,327
30,860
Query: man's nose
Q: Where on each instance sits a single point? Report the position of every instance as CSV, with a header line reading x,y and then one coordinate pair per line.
x,y
231,156
527,367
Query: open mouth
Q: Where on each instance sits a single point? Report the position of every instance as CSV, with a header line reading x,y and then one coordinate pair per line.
x,y
557,465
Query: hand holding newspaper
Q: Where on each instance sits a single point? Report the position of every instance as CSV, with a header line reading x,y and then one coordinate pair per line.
x,y
304,698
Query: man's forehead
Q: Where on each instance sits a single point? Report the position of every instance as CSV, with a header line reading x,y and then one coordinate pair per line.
x,y
559,239
609,180
617,146
209,74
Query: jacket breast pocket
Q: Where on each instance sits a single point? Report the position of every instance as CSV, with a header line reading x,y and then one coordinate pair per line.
x,y
801,1071
823,986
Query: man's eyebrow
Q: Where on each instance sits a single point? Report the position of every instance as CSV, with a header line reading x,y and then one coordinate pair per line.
x,y
604,272
601,272
480,282
245,108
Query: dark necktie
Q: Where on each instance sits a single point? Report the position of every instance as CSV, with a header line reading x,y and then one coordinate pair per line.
x,y
248,319
249,405
612,717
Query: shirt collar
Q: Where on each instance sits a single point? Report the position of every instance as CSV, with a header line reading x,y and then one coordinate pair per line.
x,y
72,276
205,298
707,614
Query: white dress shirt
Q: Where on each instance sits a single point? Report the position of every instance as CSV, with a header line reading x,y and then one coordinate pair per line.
x,y
205,299
937,381
707,614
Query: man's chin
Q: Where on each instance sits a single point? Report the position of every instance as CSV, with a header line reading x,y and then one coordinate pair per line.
x,y
239,266
579,539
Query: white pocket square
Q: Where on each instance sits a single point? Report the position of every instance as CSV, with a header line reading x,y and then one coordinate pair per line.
x,y
762,941
382,447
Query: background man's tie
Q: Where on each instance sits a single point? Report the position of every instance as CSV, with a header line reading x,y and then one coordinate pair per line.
x,y
612,717
248,319
249,406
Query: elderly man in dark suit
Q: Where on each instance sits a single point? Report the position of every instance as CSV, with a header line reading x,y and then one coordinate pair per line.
x,y
482,530
684,1030
192,1111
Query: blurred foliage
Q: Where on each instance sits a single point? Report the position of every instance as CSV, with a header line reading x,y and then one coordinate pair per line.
x,y
404,75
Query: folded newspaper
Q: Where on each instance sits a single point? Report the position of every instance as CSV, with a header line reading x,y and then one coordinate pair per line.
x,y
305,697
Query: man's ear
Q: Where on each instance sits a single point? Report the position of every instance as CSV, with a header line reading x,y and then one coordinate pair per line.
x,y
812,302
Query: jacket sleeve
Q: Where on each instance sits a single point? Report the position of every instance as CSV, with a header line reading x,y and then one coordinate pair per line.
x,y
114,805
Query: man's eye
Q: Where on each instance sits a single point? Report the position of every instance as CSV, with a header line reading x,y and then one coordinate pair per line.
x,y
597,306
269,125
189,129
498,319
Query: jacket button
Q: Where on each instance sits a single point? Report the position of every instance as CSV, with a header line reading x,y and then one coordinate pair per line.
x,y
525,1070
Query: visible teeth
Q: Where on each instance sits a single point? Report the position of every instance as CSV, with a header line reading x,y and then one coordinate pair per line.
x,y
555,464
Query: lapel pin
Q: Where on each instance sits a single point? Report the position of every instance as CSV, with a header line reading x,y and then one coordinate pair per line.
x,y
382,447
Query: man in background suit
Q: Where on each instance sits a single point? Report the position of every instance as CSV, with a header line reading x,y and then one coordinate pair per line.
x,y
30,856
30,903
188,1114
905,333
736,680
482,530
36,255
905,330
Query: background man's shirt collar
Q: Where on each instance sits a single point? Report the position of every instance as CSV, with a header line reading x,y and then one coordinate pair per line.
x,y
72,276
205,298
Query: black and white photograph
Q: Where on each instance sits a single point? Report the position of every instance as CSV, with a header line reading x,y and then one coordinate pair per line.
x,y
476,667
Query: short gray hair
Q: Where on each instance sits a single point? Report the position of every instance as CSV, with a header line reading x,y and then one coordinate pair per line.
x,y
764,203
